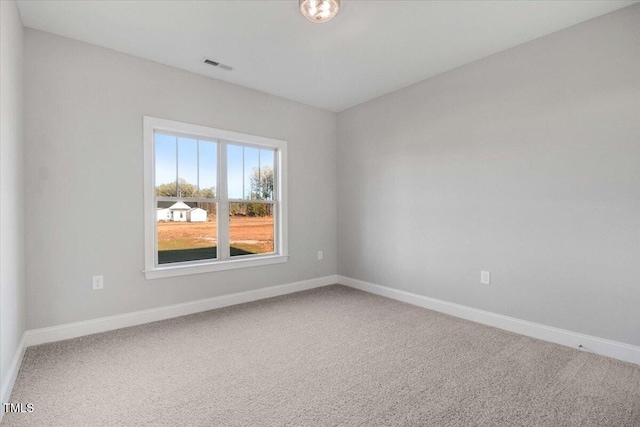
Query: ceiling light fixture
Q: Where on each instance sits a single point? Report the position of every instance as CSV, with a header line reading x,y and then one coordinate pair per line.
x,y
319,11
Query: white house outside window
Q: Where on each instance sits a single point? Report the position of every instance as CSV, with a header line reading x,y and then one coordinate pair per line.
x,y
214,199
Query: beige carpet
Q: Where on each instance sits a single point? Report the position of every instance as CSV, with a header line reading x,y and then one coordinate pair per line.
x,y
332,356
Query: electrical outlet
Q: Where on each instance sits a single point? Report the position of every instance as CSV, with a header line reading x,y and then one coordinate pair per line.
x,y
320,255
485,277
97,283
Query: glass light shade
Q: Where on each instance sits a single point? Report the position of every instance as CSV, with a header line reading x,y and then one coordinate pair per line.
x,y
319,10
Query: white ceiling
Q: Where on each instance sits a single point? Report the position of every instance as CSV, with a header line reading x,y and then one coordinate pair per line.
x,y
369,49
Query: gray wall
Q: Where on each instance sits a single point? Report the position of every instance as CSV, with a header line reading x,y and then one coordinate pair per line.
x,y
525,163
84,178
12,281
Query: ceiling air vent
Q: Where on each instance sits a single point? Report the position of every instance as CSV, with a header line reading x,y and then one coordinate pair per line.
x,y
217,64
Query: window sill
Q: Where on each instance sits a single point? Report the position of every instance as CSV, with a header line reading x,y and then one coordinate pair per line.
x,y
183,270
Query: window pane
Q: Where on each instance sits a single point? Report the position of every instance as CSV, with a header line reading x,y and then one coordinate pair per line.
x,y
208,155
251,228
234,171
266,174
250,174
187,167
186,231
165,150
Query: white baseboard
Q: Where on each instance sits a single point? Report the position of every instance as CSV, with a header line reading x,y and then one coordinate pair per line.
x,y
14,368
617,350
103,324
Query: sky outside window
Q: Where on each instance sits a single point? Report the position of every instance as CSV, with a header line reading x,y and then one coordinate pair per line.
x,y
187,163
208,168
194,163
165,159
234,171
243,164
251,163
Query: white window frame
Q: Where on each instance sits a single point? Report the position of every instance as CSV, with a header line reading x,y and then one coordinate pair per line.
x,y
223,138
